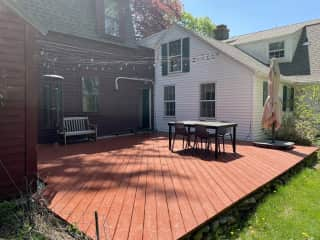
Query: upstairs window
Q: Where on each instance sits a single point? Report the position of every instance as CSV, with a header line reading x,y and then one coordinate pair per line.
x,y
112,18
276,50
175,56
90,95
169,101
208,101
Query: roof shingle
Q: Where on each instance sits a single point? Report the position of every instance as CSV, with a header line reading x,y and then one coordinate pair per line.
x,y
270,33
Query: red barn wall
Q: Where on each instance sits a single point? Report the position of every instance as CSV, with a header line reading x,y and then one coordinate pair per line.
x,y
18,117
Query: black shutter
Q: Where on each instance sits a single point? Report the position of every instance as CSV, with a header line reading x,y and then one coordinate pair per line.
x,y
284,98
186,55
292,100
164,59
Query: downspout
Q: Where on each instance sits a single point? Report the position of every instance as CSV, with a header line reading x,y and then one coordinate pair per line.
x,y
116,83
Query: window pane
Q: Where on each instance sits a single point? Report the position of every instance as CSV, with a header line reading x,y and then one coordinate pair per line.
x,y
112,17
169,108
175,64
208,91
207,109
90,104
90,92
169,93
276,50
175,48
276,46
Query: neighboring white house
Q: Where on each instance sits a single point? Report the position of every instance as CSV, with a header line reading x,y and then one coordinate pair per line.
x,y
199,78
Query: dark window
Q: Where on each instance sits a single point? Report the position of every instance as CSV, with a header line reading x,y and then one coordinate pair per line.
x,y
276,50
208,101
285,98
175,56
169,101
265,92
90,94
111,14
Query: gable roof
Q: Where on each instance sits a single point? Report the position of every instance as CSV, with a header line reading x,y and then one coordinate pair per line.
x,y
270,33
71,17
225,48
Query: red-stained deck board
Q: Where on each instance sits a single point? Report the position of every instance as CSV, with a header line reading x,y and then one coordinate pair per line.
x,y
141,190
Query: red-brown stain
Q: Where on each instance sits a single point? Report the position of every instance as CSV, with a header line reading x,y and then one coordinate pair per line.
x,y
141,190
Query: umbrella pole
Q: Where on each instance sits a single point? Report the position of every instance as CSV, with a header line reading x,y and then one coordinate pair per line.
x,y
273,132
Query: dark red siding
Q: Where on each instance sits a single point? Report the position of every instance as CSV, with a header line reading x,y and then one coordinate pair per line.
x,y
18,123
74,58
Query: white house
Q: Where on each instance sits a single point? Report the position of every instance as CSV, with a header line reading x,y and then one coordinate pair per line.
x,y
202,78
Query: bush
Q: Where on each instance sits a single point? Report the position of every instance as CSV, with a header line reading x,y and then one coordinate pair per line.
x,y
303,127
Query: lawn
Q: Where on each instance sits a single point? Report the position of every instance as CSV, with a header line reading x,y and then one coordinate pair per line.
x,y
292,212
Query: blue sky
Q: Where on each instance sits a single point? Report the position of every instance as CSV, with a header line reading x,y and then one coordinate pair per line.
x,y
250,16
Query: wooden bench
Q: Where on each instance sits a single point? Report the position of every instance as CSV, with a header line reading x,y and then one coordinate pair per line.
x,y
78,126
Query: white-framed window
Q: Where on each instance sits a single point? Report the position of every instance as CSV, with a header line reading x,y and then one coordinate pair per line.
x,y
90,94
208,100
276,50
175,56
111,18
169,101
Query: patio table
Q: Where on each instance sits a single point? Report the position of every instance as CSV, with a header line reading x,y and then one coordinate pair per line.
x,y
209,125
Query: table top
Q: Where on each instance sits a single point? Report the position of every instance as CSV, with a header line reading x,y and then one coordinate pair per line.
x,y
205,123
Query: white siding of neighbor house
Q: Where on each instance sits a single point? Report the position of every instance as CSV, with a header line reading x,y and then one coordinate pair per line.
x,y
258,132
260,49
234,84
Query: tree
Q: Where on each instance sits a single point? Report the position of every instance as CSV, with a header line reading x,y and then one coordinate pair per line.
x,y
202,25
152,16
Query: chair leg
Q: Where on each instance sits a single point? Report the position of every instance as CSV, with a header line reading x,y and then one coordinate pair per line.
x,y
224,149
195,144
174,139
183,143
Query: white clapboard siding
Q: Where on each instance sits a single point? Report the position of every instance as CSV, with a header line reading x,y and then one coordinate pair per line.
x,y
234,87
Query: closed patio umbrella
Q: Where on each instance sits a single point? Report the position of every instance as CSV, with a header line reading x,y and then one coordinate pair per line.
x,y
272,116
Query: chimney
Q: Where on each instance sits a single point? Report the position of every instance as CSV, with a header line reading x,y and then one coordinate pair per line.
x,y
221,32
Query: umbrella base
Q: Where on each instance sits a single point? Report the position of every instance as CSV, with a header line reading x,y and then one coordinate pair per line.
x,y
281,145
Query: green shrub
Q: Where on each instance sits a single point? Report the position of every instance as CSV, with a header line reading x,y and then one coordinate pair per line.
x,y
303,126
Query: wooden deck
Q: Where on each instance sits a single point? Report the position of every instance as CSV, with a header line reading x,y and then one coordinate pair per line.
x,y
143,191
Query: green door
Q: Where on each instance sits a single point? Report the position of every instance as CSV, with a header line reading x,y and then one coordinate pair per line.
x,y
145,108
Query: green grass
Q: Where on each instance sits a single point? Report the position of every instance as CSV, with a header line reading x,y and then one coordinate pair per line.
x,y
292,213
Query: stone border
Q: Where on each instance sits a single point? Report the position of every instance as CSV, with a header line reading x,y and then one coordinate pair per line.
x,y
222,225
